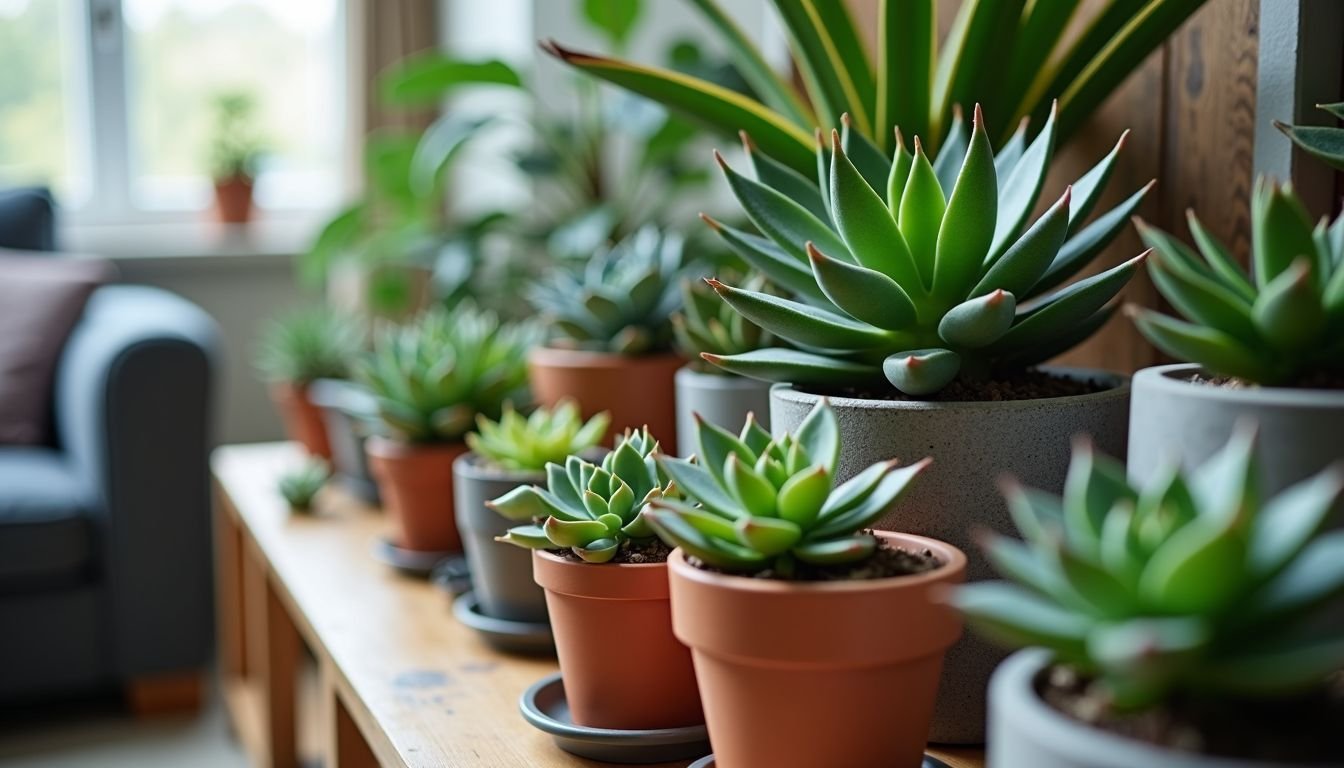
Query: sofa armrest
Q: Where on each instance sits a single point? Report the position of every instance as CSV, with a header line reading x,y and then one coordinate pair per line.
x,y
134,393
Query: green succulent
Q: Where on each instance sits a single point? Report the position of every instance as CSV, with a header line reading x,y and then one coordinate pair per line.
x,y
1278,325
431,378
1322,142
621,300
590,509
768,503
528,444
1012,55
1192,584
301,485
706,325
921,271
309,344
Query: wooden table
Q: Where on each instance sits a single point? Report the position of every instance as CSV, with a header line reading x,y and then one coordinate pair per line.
x,y
401,683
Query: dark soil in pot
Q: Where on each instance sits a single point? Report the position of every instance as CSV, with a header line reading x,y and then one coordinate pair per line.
x,y
1025,385
888,561
631,552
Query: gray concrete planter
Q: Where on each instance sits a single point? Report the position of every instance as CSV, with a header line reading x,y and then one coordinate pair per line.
x,y
972,445
721,399
1025,731
350,415
501,574
1301,430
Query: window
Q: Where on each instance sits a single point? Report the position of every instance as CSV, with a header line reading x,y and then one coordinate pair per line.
x,y
114,102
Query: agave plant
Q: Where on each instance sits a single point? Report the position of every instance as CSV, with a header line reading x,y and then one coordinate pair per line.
x,y
590,509
433,377
708,326
1013,55
1192,584
528,444
309,344
1278,325
300,486
1322,142
621,300
921,270
768,503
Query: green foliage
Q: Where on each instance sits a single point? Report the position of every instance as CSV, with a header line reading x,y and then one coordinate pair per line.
x,y
1191,585
708,326
615,18
1325,143
234,144
528,444
433,377
308,344
921,270
591,509
1278,325
767,503
300,486
621,300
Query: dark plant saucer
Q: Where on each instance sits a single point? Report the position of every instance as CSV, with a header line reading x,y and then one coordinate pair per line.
x,y
411,562
526,637
543,705
929,762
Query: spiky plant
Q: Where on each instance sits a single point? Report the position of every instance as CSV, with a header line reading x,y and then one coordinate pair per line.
x,y
706,325
1013,55
528,444
768,503
921,270
590,509
431,378
1192,584
300,486
621,300
1325,143
1280,325
309,344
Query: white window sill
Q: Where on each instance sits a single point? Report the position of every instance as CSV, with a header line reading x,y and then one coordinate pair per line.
x,y
195,241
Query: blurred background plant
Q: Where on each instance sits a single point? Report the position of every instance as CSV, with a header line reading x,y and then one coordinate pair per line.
x,y
235,142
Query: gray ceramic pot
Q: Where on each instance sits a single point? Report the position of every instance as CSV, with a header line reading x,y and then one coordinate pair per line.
x,y
1025,731
721,399
501,574
1301,430
350,415
972,445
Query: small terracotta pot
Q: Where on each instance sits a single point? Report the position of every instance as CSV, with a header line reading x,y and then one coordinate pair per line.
x,y
415,483
233,199
637,390
799,675
302,418
622,666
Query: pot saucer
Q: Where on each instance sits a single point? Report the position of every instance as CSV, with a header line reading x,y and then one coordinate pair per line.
x,y
411,562
929,762
526,637
543,705
452,575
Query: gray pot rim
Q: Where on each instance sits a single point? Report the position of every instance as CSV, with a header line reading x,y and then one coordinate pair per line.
x,y
1120,386
1174,379
472,466
718,380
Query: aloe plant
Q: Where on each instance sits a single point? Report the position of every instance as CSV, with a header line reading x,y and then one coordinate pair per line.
x,y
1322,142
300,486
753,502
1192,584
590,509
921,270
1282,323
309,344
1012,55
528,443
706,325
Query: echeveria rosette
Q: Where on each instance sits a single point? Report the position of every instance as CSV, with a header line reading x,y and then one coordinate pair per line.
x,y
1279,324
769,503
1325,143
310,344
707,326
590,509
300,486
1190,585
528,443
918,271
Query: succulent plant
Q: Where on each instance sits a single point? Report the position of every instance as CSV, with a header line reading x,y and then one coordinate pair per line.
x,y
921,271
1192,584
1278,325
1322,142
590,509
706,325
769,503
621,300
309,344
528,444
431,378
300,486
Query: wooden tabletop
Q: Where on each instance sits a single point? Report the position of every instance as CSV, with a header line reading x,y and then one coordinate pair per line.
x,y
422,689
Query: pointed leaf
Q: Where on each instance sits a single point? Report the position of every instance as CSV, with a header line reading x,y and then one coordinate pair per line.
x,y
921,214
978,322
819,435
1079,251
781,219
1214,350
768,535
863,294
796,367
801,323
1022,265
921,371
802,496
835,551
1288,311
866,225
965,235
905,52
1023,188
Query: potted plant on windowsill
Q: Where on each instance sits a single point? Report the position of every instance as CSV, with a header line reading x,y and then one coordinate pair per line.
x,y
1189,622
613,351
816,641
1267,346
234,150
605,576
431,379
296,350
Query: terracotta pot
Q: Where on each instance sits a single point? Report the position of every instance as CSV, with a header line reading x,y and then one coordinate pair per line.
x,y
302,418
233,199
800,675
622,666
415,483
638,391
